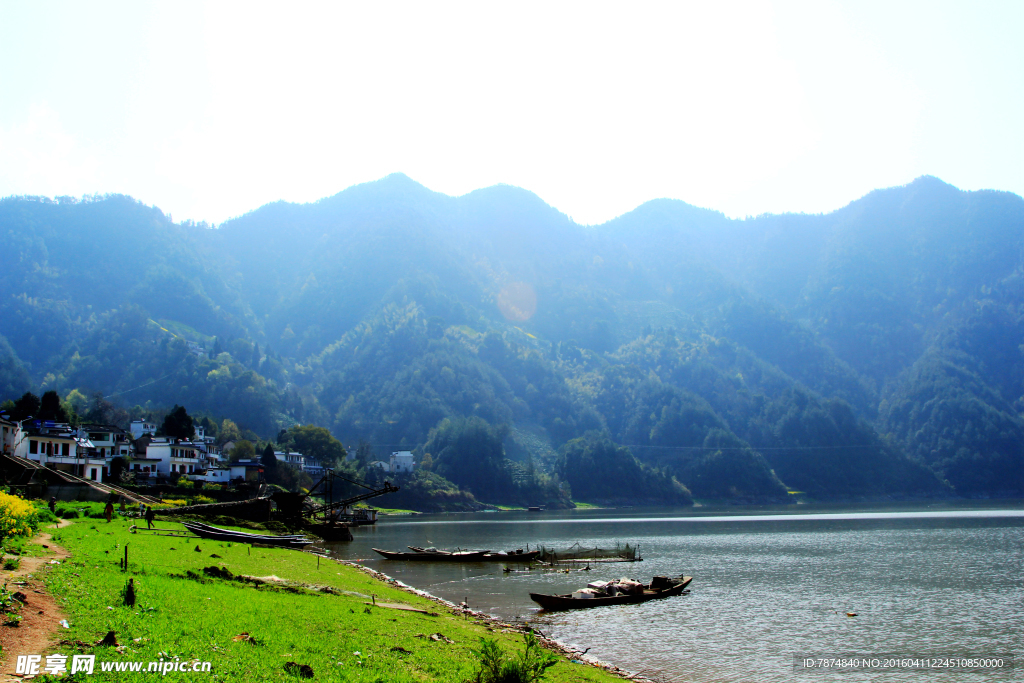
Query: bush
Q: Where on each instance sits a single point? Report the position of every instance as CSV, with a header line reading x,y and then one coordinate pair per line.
x,y
43,514
497,667
67,513
17,516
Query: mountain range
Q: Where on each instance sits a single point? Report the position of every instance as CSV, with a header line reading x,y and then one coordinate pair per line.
x,y
875,351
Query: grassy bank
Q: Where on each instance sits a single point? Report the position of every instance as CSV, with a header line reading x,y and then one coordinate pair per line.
x,y
297,612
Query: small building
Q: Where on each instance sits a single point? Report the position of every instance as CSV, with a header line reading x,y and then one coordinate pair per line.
x,y
213,475
293,459
9,432
402,461
246,470
140,428
108,440
313,468
58,446
174,456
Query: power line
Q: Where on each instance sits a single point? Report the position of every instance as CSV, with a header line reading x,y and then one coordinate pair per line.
x,y
750,448
118,393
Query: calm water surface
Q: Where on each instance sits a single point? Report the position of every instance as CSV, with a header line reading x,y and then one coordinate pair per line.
x,y
767,585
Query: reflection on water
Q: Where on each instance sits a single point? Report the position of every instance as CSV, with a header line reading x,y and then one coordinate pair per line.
x,y
767,586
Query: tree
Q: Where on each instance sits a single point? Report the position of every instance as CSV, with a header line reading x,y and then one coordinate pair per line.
x,y
469,452
317,443
25,407
178,424
597,469
229,431
51,409
243,450
269,461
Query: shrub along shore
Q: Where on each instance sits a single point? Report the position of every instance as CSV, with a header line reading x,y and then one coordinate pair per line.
x,y
260,613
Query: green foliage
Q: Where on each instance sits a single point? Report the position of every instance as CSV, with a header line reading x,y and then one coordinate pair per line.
x,y
242,450
469,452
426,492
801,337
599,471
178,424
314,442
730,469
269,462
527,667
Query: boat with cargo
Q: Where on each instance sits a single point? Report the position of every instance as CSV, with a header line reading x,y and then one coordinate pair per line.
x,y
621,592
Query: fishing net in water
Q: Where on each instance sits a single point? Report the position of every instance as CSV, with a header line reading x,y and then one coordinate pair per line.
x,y
578,553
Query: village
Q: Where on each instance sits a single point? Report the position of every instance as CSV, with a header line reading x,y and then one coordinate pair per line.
x,y
101,454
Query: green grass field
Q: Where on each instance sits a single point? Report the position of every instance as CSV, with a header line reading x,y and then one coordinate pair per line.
x,y
182,613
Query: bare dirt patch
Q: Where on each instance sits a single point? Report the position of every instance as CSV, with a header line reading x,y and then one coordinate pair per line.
x,y
38,632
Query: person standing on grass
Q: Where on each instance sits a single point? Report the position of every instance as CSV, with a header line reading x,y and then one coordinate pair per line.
x,y
108,511
150,515
53,504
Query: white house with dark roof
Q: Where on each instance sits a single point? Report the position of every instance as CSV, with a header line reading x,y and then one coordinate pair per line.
x,y
108,440
140,428
173,456
58,446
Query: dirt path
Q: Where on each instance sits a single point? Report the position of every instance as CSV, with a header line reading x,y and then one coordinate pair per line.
x,y
40,617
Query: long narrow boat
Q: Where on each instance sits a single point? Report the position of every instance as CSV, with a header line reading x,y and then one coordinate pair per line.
x,y
488,555
562,602
440,556
210,527
217,534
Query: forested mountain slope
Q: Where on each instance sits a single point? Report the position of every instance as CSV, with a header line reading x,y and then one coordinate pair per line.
x,y
873,351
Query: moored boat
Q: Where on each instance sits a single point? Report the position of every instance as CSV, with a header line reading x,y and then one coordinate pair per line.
x,y
660,587
488,556
433,556
217,534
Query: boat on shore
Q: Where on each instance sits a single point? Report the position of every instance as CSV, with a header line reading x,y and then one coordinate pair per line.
x,y
214,533
659,587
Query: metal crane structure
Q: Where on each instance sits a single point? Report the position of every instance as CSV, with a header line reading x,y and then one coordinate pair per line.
x,y
334,510
329,519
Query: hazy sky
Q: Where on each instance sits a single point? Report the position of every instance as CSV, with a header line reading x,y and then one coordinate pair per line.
x,y
210,110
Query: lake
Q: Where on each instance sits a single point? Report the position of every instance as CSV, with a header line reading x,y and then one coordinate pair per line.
x,y
769,584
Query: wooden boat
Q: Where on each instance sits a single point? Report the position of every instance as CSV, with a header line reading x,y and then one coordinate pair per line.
x,y
670,588
217,534
488,555
434,556
210,527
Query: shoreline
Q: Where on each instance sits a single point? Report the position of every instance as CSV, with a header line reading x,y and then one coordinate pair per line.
x,y
495,624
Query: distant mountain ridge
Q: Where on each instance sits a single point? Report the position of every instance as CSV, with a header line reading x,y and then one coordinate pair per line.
x,y
817,345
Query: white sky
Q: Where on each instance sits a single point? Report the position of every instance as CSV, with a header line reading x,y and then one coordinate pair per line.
x,y
211,110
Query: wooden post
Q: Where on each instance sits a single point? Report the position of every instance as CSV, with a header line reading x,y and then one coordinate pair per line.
x,y
125,557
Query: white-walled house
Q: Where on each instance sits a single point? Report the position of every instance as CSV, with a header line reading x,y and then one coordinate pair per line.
x,y
166,456
140,428
247,470
214,475
58,446
9,433
294,459
313,468
402,461
108,440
